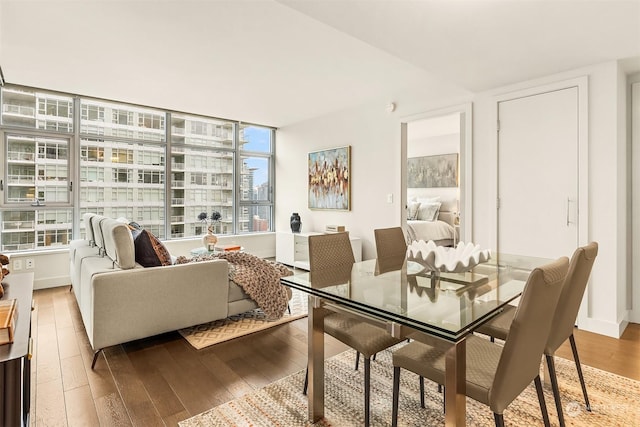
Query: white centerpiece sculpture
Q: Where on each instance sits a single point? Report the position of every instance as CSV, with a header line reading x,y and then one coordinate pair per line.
x,y
443,259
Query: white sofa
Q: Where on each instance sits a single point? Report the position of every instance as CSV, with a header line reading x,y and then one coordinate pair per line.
x,y
122,301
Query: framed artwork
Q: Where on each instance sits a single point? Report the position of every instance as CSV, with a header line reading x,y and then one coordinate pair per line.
x,y
330,179
433,171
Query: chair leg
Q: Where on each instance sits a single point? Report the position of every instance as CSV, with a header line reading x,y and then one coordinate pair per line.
x,y
554,386
367,390
357,359
306,382
396,395
492,339
499,419
439,388
572,340
543,404
444,400
374,356
421,391
289,308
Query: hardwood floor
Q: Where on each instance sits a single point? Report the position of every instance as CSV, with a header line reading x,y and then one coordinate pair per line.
x,y
162,380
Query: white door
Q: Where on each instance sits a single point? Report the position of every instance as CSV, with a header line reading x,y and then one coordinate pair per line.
x,y
538,174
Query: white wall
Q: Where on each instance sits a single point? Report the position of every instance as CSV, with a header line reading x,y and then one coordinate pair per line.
x,y
374,136
607,180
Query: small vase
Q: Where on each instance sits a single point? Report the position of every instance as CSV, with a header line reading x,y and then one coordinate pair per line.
x,y
295,223
209,240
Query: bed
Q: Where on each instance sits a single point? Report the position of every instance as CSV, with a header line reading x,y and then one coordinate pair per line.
x,y
428,221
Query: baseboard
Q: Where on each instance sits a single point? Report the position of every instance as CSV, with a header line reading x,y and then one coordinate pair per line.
x,y
51,282
604,327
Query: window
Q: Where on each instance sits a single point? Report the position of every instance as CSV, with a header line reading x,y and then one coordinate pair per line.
x,y
92,195
121,155
121,120
37,167
203,153
125,168
150,177
255,178
121,175
91,174
132,160
32,109
92,113
122,195
91,154
198,178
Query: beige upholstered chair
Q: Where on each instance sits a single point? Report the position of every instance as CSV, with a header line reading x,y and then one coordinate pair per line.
x,y
331,259
496,375
391,249
563,320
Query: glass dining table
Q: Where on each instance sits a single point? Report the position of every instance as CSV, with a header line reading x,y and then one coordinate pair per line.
x,y
410,301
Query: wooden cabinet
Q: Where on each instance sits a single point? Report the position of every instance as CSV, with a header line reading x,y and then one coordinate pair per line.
x,y
293,248
15,358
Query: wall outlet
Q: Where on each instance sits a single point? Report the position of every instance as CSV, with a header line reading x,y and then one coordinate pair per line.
x,y
29,263
17,264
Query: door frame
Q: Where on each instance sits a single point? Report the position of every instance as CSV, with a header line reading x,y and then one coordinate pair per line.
x,y
466,163
582,84
633,289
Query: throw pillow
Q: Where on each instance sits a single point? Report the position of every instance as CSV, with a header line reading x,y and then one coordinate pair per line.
x,y
412,210
150,252
428,211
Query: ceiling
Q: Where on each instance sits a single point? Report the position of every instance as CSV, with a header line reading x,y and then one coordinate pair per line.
x,y
281,62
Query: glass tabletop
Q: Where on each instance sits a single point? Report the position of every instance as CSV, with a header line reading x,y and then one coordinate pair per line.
x,y
446,305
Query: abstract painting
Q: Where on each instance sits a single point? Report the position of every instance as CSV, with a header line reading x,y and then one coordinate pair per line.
x,y
330,179
433,171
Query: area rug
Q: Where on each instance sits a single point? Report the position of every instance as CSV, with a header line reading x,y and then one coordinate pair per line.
x,y
614,400
207,334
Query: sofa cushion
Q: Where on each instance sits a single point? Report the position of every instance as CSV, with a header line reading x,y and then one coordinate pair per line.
x,y
118,243
95,222
88,229
150,252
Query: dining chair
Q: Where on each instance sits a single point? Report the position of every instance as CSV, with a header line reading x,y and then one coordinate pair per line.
x,y
563,320
330,260
496,375
391,249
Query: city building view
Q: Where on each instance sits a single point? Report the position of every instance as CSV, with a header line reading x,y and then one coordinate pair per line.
x,y
111,158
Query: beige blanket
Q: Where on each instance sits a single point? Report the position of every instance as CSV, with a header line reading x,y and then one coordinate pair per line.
x,y
258,277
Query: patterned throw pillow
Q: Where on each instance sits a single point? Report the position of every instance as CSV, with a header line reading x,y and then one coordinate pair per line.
x,y
429,211
150,252
412,210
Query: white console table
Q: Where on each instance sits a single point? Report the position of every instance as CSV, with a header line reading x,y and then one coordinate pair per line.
x,y
293,248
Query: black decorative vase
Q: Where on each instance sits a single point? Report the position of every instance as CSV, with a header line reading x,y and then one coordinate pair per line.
x,y
295,223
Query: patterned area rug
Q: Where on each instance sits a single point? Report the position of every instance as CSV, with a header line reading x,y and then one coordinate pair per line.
x,y
201,336
614,400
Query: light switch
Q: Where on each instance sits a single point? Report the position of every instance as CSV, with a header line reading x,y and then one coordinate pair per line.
x,y
390,198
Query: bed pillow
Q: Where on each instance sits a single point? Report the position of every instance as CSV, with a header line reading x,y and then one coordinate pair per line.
x,y
150,252
412,210
428,211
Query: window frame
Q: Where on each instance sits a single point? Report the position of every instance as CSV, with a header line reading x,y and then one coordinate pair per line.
x,y
142,129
